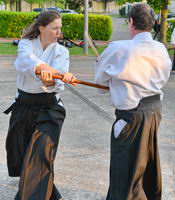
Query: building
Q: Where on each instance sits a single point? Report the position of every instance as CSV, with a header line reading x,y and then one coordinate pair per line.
x,y
98,6
101,6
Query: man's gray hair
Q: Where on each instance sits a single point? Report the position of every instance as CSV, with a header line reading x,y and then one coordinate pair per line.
x,y
143,16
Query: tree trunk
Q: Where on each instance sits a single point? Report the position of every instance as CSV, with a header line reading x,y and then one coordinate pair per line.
x,y
18,6
31,7
164,13
105,6
12,5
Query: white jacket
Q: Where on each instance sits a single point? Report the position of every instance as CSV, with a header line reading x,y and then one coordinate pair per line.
x,y
133,69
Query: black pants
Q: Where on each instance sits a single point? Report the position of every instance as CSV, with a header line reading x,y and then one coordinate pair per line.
x,y
31,144
135,167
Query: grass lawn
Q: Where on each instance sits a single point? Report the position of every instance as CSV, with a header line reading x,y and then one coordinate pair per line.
x,y
79,51
8,49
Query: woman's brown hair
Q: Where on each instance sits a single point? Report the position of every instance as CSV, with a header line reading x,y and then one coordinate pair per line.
x,y
43,19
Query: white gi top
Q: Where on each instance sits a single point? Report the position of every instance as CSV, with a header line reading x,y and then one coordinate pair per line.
x,y
133,69
30,54
173,37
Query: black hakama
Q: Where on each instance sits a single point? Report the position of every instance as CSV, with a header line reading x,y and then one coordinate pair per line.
x,y
31,144
135,166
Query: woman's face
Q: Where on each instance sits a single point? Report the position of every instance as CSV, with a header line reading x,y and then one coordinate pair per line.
x,y
51,32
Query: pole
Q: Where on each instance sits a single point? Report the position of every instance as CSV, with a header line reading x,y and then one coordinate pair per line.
x,y
85,46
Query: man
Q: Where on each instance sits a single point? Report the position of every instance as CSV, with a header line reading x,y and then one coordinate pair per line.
x,y
135,71
173,45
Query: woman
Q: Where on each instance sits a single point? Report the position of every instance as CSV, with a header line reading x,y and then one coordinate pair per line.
x,y
38,113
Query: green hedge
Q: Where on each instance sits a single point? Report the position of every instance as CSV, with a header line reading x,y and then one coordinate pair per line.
x,y
12,23
100,27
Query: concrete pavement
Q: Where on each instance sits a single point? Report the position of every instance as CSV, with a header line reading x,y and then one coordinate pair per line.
x,y
82,161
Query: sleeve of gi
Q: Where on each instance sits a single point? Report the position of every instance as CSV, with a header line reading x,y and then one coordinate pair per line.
x,y
101,65
108,65
26,61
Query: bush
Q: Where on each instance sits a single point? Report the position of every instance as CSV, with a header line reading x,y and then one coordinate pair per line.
x,y
12,23
100,27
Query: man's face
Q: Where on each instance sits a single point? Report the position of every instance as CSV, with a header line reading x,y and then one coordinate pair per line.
x,y
52,31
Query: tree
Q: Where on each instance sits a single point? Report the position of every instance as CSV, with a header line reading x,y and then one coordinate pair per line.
x,y
5,2
15,5
12,5
18,5
76,4
31,2
60,3
161,5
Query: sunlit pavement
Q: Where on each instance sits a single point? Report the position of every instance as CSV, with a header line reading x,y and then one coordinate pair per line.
x,y
82,161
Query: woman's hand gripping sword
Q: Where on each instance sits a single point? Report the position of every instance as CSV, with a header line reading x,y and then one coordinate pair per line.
x,y
60,76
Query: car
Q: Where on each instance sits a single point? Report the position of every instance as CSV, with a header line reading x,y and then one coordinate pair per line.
x,y
170,15
68,11
38,9
53,8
